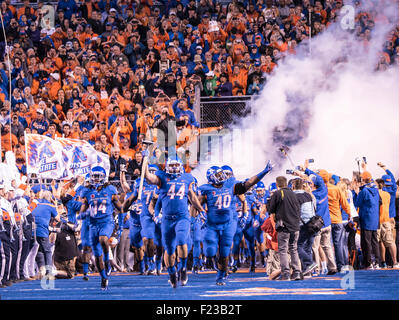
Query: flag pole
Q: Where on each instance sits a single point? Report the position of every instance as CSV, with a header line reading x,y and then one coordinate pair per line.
x,y
9,72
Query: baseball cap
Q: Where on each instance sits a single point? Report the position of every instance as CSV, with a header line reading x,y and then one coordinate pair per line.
x,y
39,111
324,175
366,175
387,179
56,76
210,74
112,10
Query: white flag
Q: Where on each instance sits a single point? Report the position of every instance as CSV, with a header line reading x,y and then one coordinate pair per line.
x,y
44,157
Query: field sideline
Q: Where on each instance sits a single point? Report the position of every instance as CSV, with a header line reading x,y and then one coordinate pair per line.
x,y
360,285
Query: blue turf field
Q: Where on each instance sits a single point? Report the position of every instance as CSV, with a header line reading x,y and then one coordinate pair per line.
x,y
368,285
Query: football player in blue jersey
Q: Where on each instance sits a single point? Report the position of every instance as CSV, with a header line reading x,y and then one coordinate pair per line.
x,y
146,219
155,210
245,228
259,219
218,194
134,207
85,233
175,190
196,234
73,206
100,199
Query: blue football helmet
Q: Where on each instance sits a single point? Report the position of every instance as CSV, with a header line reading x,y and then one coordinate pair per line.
x,y
97,176
215,175
228,171
174,167
260,189
272,187
152,168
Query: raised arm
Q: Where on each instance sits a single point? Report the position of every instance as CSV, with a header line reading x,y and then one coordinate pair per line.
x,y
126,204
242,187
151,178
117,203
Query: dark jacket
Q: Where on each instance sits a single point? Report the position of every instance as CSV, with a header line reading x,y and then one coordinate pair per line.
x,y
284,203
115,166
167,136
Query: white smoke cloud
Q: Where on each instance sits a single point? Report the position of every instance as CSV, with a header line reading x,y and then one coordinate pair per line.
x,y
351,109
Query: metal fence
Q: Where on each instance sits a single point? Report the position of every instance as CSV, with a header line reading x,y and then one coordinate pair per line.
x,y
223,111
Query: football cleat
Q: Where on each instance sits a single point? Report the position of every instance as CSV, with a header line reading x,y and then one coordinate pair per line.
x,y
104,284
85,277
195,269
221,279
183,276
173,280
108,268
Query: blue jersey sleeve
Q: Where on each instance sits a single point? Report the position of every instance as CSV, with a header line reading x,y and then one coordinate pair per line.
x,y
112,189
54,212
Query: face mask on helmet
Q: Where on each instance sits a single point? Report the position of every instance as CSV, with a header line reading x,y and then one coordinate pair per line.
x,y
228,172
216,176
97,177
260,192
152,169
174,167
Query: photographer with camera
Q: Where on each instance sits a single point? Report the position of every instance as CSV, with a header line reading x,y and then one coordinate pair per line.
x,y
286,209
65,248
306,237
166,133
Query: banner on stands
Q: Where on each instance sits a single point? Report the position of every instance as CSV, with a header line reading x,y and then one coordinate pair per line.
x,y
61,158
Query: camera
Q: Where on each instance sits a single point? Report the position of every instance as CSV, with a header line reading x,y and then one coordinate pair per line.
x,y
288,171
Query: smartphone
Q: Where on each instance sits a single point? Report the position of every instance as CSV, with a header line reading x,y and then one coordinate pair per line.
x,y
365,160
288,171
310,160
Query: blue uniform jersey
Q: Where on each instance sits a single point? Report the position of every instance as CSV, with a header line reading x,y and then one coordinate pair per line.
x,y
251,202
146,196
100,203
259,203
134,211
73,208
238,207
220,202
173,193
